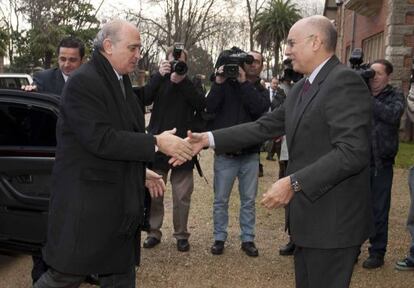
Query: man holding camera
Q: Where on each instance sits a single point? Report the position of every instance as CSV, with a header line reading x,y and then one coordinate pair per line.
x,y
175,102
407,264
388,106
236,98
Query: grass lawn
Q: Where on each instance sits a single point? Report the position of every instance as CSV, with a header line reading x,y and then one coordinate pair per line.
x,y
405,156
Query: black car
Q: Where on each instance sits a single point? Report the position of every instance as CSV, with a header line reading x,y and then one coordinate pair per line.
x,y
27,153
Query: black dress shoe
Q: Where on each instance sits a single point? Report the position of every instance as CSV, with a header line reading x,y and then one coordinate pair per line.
x,y
250,249
217,248
92,279
373,261
151,242
287,249
183,245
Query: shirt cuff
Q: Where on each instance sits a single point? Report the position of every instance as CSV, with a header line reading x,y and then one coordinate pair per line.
x,y
211,143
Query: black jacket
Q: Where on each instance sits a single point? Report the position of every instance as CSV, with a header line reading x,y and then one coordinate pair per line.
x,y
97,189
174,106
49,81
234,103
388,106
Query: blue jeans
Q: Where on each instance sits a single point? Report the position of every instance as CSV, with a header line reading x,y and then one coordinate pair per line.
x,y
226,169
381,183
410,220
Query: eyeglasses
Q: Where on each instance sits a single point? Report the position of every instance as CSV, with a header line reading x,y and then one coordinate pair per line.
x,y
291,43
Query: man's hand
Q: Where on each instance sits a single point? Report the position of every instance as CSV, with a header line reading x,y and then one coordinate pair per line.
x,y
175,78
198,141
242,76
174,146
219,71
154,183
29,88
279,194
165,68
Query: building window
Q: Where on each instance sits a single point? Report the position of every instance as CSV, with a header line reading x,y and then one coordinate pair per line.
x,y
373,48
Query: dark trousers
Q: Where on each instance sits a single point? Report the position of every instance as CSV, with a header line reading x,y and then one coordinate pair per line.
x,y
54,279
381,183
39,267
324,268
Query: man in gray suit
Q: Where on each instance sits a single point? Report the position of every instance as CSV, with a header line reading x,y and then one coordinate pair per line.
x,y
97,190
326,118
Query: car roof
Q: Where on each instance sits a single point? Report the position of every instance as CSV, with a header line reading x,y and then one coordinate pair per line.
x,y
30,96
15,75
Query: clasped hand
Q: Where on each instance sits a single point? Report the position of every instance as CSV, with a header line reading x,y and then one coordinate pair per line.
x,y
278,195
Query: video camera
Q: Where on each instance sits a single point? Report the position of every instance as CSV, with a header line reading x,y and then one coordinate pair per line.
x,y
288,72
177,65
233,59
356,59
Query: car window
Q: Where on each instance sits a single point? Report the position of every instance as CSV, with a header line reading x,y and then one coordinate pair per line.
x,y
12,82
26,125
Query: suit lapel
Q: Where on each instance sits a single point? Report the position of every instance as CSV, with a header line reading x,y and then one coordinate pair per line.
x,y
59,82
300,106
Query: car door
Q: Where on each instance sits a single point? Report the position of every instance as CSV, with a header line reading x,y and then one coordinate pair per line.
x,y
27,153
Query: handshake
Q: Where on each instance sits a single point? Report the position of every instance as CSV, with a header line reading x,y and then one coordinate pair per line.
x,y
181,150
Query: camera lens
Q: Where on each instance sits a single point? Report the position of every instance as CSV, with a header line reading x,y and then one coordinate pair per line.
x,y
179,67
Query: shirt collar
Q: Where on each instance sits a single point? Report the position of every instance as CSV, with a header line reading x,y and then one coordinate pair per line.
x,y
315,72
117,75
65,77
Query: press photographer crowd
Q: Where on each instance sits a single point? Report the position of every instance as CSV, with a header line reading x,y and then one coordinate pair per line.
x,y
333,127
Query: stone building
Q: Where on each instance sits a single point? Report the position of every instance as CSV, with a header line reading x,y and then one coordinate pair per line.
x,y
383,29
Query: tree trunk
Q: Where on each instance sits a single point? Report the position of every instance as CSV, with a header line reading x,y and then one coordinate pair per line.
x,y
276,59
48,59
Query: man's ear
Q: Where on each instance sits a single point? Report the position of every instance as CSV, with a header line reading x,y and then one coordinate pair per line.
x,y
107,46
317,42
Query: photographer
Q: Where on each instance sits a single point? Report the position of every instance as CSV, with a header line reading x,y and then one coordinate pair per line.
x,y
236,96
388,106
175,102
407,264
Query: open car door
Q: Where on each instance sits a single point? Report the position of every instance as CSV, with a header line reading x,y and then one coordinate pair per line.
x,y
27,153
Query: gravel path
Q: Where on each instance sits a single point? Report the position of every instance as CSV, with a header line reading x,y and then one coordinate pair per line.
x,y
164,266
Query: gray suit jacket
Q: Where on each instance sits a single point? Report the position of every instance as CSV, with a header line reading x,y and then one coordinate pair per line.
x,y
328,142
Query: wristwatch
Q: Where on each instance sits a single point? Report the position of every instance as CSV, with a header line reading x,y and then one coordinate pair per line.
x,y
295,184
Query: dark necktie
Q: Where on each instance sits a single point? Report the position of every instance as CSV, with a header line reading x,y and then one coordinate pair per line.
x,y
305,89
306,86
121,82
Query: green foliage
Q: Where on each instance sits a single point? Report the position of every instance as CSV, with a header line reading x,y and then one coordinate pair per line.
x,y
273,25
50,21
405,156
200,62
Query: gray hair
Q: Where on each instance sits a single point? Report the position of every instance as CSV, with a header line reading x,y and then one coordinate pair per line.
x,y
110,30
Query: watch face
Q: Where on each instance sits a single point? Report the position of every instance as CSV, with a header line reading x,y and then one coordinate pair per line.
x,y
296,186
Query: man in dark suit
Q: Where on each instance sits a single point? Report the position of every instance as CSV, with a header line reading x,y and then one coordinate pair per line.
x,y
326,118
97,191
70,53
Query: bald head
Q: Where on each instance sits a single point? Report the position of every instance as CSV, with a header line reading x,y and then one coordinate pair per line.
x,y
120,43
322,26
310,42
111,30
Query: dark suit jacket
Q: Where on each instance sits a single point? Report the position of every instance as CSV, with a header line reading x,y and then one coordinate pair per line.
x,y
328,142
98,179
50,81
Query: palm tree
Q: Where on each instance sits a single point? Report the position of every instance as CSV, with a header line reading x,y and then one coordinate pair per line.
x,y
273,26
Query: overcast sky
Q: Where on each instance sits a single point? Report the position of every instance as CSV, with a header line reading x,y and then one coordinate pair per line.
x,y
110,7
